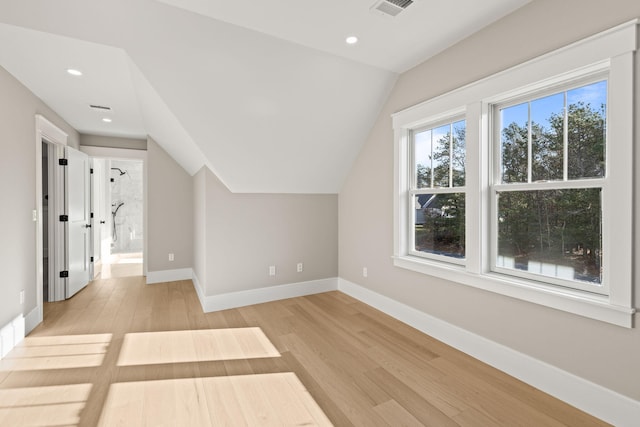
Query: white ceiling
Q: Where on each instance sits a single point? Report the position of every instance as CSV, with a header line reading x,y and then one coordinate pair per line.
x,y
423,29
266,94
40,59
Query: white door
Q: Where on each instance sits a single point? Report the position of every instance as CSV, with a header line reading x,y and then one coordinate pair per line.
x,y
77,183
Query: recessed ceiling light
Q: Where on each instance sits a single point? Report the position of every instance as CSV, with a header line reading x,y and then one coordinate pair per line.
x,y
74,72
351,40
107,120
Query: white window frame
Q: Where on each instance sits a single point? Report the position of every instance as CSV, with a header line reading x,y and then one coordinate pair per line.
x,y
414,190
613,52
565,83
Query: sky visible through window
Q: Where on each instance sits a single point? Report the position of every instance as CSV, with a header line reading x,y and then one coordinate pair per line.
x,y
542,109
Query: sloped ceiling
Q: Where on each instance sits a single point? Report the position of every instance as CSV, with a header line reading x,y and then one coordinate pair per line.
x,y
266,94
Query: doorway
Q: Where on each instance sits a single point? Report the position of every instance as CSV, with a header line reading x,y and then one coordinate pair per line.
x,y
122,241
65,222
52,199
63,259
118,205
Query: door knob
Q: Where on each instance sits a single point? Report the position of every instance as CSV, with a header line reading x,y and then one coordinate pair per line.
x,y
102,222
87,226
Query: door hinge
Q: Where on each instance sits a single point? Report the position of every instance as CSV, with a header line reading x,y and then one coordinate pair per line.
x,y
91,259
63,162
64,273
91,170
91,214
64,218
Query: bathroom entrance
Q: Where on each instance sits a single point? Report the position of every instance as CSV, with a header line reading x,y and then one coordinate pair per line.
x,y
118,206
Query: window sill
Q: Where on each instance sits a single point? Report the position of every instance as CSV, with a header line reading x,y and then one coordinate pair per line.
x,y
584,304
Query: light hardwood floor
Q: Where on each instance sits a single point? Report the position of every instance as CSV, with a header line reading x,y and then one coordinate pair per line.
x,y
124,353
119,265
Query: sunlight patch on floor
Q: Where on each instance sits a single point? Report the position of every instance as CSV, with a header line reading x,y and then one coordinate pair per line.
x,y
57,352
120,265
248,400
43,406
111,271
124,258
150,348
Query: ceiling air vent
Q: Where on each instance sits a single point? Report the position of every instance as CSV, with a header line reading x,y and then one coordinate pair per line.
x,y
99,107
391,7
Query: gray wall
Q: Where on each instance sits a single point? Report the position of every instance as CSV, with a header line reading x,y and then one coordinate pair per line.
x,y
18,107
169,211
597,351
247,233
111,142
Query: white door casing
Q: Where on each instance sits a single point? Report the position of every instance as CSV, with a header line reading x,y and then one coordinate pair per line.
x,y
45,130
98,208
105,245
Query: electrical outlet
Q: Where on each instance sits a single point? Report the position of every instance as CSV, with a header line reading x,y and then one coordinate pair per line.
x,y
22,296
365,272
171,257
272,270
300,267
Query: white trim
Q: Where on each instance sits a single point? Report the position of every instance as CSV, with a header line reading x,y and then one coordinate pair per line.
x,y
11,335
589,397
584,304
257,296
199,291
169,275
114,153
51,133
31,320
611,51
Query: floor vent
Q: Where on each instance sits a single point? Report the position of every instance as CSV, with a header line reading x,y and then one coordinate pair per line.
x,y
391,7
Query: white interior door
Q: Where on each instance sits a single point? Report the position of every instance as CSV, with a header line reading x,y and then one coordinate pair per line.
x,y
78,183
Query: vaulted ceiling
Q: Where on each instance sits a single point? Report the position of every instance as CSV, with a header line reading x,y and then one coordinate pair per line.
x,y
267,94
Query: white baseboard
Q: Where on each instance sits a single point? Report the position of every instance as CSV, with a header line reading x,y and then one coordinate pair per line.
x,y
199,290
589,397
32,320
11,335
260,295
169,275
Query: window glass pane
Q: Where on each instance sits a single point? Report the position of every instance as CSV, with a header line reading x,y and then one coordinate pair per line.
x,y
440,224
441,155
555,233
422,155
547,138
587,108
459,153
514,143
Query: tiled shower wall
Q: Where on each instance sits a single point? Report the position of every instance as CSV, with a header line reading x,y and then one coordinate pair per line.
x,y
126,189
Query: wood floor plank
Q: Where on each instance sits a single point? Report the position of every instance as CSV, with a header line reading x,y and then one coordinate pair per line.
x,y
422,410
316,360
396,415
